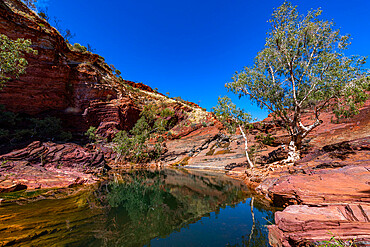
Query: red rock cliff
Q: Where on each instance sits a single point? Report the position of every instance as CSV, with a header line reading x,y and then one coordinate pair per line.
x,y
58,79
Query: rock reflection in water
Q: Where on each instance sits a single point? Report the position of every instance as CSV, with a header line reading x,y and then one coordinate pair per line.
x,y
131,210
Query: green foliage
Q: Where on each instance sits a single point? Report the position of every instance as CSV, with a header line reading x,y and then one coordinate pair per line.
x,y
265,140
91,134
12,61
79,48
141,127
15,128
337,242
230,115
125,146
166,112
4,133
303,61
20,135
178,98
252,153
117,73
139,196
135,146
160,119
7,118
49,128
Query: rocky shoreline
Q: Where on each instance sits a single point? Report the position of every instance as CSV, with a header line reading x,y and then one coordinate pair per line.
x,y
325,194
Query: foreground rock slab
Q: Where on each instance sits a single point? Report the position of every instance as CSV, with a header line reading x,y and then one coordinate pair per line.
x,y
337,173
49,165
331,188
299,224
348,184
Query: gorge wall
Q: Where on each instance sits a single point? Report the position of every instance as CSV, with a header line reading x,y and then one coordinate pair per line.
x,y
60,79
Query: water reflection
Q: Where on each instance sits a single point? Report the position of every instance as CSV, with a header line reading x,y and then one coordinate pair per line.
x,y
157,208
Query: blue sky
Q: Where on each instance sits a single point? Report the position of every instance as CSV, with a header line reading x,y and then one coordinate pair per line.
x,y
191,48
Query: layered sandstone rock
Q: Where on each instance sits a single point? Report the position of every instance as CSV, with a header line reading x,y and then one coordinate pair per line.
x,y
50,165
58,79
299,225
117,115
336,173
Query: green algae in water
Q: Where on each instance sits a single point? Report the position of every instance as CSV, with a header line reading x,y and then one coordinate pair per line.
x,y
156,208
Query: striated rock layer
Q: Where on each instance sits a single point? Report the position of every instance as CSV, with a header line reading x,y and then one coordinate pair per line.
x,y
299,225
50,165
334,174
60,79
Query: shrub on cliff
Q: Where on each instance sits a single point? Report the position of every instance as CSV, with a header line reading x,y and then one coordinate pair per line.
x,y
91,134
12,61
303,62
144,141
136,147
79,48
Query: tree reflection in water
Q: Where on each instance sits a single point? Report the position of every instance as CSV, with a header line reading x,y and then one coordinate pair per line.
x,y
258,235
144,205
141,208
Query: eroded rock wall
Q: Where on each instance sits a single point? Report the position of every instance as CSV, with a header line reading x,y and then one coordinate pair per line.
x,y
58,78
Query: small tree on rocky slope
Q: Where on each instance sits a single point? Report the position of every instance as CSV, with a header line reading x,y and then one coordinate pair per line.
x,y
232,118
12,62
302,64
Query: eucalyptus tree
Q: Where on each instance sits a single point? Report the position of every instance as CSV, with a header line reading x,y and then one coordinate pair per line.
x,y
303,64
12,61
232,118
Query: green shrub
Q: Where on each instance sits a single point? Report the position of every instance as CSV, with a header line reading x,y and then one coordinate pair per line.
x,y
91,134
166,112
50,128
7,118
79,48
134,146
265,140
15,128
22,134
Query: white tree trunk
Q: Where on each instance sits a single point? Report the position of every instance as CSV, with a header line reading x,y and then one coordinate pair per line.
x,y
246,147
293,153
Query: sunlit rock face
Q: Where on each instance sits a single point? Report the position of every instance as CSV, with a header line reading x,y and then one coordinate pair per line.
x,y
299,224
58,79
